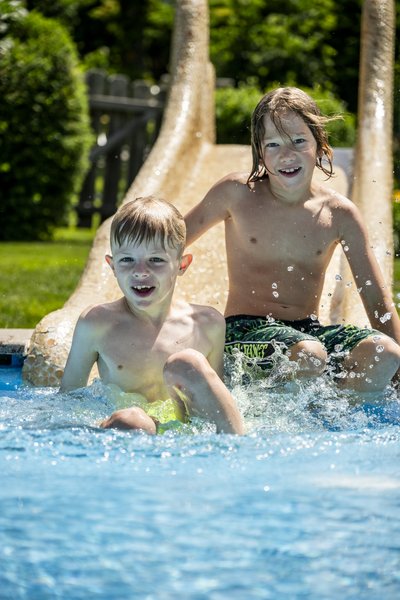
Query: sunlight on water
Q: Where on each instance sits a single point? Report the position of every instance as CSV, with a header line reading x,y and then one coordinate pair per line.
x,y
304,506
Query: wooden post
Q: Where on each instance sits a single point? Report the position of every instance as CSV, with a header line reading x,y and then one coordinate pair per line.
x,y
96,82
118,87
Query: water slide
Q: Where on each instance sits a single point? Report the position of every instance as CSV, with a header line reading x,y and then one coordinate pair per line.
x,y
185,162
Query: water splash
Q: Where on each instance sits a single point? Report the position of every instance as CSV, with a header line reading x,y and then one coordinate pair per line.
x,y
278,402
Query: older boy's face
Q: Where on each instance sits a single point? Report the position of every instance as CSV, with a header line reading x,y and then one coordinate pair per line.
x,y
146,272
290,158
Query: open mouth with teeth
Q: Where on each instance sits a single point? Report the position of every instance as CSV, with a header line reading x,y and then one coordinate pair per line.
x,y
143,290
290,172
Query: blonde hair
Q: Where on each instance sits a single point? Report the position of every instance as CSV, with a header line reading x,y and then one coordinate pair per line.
x,y
147,218
275,104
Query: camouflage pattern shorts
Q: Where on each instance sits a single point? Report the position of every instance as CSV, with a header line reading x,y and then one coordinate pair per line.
x,y
258,337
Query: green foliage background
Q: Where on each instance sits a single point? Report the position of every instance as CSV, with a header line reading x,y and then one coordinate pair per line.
x,y
44,126
255,42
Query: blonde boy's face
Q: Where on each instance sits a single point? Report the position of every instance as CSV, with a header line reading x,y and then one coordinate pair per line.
x,y
146,272
290,158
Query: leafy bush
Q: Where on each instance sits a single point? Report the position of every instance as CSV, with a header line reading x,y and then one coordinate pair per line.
x,y
396,222
44,127
234,107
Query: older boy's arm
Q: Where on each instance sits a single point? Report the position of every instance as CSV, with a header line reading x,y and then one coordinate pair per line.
x,y
211,210
375,294
81,358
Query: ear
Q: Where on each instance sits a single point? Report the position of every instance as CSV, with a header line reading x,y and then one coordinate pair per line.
x,y
185,263
109,261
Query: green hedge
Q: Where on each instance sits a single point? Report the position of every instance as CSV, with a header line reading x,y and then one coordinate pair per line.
x,y
234,107
44,127
396,223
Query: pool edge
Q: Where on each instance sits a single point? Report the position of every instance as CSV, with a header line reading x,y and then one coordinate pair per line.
x,y
14,343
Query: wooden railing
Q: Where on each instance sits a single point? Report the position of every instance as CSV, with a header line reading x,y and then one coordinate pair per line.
x,y
126,118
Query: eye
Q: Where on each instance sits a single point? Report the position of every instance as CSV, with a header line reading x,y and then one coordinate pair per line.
x,y
126,259
271,145
157,259
299,141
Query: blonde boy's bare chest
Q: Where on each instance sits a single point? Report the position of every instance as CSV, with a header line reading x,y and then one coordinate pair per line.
x,y
133,356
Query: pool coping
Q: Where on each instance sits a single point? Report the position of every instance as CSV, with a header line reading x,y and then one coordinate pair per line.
x,y
15,341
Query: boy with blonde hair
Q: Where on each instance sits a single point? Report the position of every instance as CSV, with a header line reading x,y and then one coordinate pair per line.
x,y
281,229
163,357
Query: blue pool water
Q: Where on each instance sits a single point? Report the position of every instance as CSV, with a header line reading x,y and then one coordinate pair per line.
x,y
306,506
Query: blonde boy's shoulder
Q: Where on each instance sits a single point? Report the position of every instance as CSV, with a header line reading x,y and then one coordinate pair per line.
x,y
98,314
96,311
208,317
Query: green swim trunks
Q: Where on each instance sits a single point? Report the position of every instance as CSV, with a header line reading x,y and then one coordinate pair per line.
x,y
259,337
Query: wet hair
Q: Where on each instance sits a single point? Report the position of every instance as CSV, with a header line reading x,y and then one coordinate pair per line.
x,y
276,104
148,218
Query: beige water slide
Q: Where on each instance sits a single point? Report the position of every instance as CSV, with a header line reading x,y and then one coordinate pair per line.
x,y
185,162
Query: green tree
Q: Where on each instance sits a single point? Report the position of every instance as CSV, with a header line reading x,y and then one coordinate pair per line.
x,y
44,126
298,42
122,36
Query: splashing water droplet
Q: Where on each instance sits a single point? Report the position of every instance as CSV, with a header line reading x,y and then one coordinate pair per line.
x,y
290,268
368,282
386,317
338,277
275,294
313,317
380,348
274,286
346,248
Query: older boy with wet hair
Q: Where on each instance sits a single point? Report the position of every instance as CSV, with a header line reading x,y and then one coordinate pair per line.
x,y
281,230
163,359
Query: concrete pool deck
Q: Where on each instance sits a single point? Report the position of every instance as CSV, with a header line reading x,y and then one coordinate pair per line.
x,y
14,341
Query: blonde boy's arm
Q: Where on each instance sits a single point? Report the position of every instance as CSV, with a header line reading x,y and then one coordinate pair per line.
x,y
216,334
81,357
375,294
213,209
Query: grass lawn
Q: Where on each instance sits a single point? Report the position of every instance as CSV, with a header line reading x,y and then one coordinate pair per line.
x,y
38,277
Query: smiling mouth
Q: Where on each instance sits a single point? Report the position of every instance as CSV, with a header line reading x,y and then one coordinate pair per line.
x,y
143,290
290,172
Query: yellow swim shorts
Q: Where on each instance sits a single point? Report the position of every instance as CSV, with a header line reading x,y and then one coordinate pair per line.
x,y
162,411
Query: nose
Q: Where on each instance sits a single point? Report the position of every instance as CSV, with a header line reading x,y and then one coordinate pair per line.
x,y
288,153
140,271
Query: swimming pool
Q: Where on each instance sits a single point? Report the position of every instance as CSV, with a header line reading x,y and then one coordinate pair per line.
x,y
305,506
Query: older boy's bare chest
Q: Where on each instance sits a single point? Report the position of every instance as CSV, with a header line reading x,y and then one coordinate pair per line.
x,y
273,230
